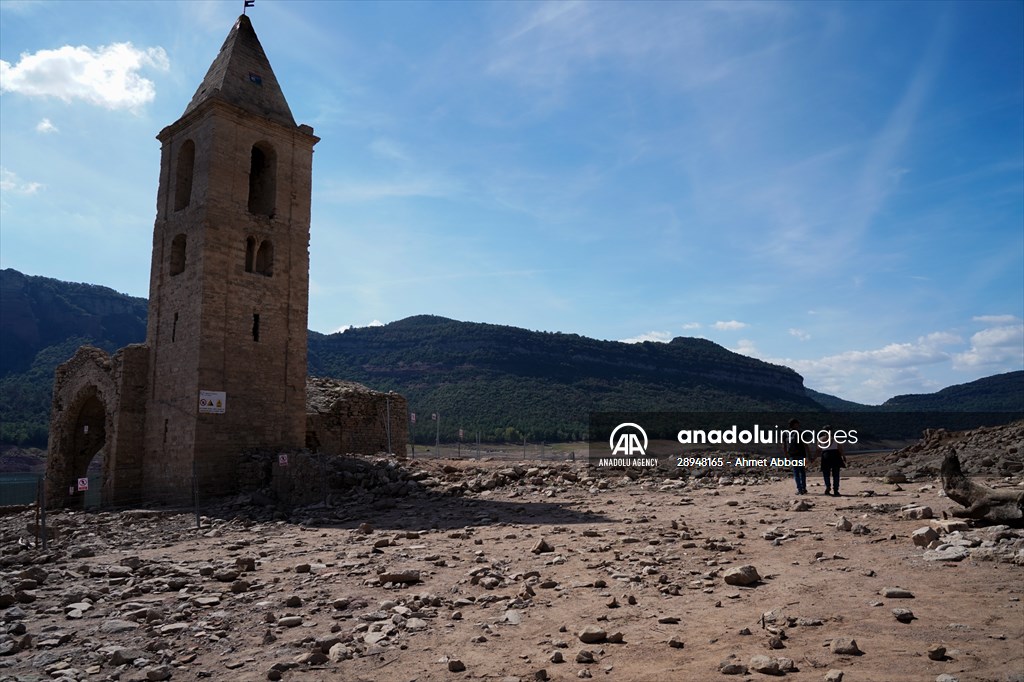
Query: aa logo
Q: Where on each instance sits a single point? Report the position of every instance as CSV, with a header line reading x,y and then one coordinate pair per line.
x,y
628,442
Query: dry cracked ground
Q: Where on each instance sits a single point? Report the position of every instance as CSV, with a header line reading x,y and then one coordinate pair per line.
x,y
531,572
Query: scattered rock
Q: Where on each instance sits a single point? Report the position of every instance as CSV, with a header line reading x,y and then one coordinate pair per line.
x,y
903,615
542,547
765,664
923,537
741,575
731,666
845,646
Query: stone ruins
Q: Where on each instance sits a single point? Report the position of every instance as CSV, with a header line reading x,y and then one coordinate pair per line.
x,y
222,373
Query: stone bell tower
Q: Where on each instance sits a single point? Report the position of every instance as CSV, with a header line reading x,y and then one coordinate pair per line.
x,y
229,281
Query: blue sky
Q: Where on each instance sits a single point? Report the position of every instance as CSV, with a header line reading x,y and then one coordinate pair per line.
x,y
837,187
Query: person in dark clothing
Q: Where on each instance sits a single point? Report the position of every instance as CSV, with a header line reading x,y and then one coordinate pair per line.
x,y
795,448
833,458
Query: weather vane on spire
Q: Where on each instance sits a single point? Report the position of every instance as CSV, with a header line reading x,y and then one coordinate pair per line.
x,y
247,4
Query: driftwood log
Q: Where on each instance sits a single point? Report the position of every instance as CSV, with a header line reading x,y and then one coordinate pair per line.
x,y
982,502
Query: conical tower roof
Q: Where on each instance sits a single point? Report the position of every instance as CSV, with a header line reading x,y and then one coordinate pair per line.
x,y
241,75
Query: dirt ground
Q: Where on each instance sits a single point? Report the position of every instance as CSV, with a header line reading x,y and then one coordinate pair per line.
x,y
439,587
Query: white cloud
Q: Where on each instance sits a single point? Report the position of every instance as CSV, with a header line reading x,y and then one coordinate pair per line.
x,y
46,126
346,327
799,334
107,76
657,337
731,325
10,182
1002,345
747,347
691,325
873,376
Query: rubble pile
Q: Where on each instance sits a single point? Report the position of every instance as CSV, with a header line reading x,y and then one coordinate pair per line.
x,y
987,451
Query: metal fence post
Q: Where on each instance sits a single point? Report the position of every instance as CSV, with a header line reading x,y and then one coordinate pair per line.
x,y
195,491
42,509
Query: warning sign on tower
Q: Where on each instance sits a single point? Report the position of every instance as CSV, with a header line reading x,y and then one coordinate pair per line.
x,y
212,402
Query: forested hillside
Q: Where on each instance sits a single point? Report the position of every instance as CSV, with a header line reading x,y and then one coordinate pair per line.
x,y
504,383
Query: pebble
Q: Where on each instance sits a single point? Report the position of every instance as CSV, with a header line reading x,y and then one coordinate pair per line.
x,y
592,635
897,593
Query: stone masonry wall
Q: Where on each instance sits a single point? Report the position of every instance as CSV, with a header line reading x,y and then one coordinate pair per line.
x,y
345,417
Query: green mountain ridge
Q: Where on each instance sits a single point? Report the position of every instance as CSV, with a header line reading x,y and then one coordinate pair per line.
x,y
503,382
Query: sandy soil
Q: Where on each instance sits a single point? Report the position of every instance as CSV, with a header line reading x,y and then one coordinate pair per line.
x,y
643,561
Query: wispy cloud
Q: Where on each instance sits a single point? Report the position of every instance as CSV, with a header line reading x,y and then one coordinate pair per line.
x,y
388,149
997,319
731,325
46,126
657,337
800,334
108,76
10,182
354,191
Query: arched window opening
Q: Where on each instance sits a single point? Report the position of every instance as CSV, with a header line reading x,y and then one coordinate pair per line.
x,y
183,177
250,253
265,258
178,254
262,179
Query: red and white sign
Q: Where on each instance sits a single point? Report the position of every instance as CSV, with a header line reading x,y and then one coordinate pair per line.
x,y
282,459
83,484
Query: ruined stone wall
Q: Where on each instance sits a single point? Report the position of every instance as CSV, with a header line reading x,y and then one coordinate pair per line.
x,y
344,417
98,404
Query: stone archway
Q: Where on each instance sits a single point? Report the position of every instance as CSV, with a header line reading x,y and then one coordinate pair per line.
x,y
83,436
90,423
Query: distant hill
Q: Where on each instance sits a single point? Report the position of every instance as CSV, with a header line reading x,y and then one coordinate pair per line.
x,y
42,322
510,383
504,382
997,393
835,404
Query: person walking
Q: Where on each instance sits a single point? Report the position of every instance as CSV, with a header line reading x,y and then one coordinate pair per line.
x,y
794,448
833,458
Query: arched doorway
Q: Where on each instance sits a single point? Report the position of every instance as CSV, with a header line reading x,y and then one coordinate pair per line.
x,y
84,468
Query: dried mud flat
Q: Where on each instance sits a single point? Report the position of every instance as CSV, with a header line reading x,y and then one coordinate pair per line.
x,y
544,573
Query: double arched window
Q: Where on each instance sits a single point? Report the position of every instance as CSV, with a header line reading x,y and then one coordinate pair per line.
x,y
259,260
